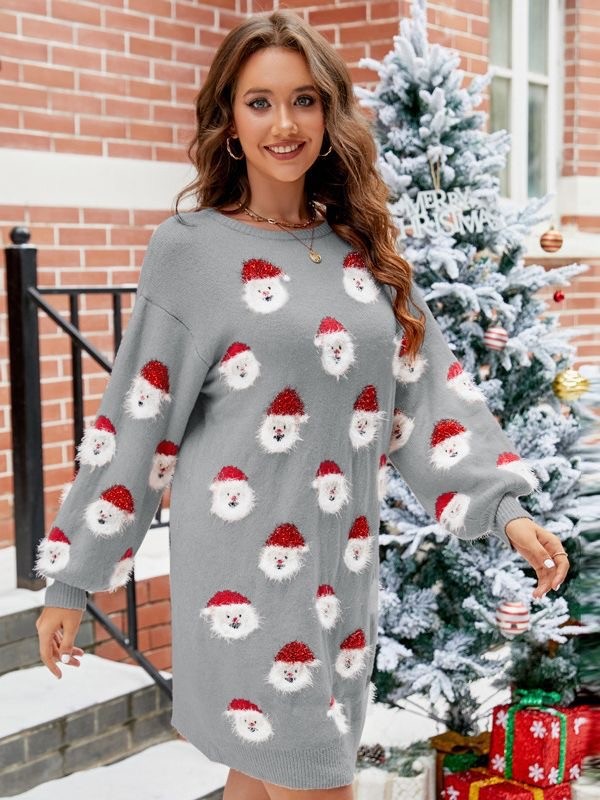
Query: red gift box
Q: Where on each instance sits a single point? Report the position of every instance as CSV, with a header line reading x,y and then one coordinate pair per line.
x,y
532,753
482,784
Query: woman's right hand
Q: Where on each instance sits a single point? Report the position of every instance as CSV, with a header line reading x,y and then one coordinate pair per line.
x,y
57,629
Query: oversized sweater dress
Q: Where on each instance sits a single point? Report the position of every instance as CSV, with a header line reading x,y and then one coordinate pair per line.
x,y
272,393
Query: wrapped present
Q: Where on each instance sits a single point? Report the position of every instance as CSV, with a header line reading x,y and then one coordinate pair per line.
x,y
378,783
536,742
480,783
455,753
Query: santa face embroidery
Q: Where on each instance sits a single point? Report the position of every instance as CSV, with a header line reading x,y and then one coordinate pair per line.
x,y
264,291
231,615
248,721
163,465
357,555
98,444
451,510
292,668
149,390
332,487
353,655
53,553
233,498
512,462
327,606
112,512
239,367
463,384
337,348
366,418
122,571
404,369
281,556
280,428
449,443
382,477
402,427
357,279
337,713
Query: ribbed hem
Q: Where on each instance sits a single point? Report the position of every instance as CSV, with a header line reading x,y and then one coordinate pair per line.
x,y
509,508
62,595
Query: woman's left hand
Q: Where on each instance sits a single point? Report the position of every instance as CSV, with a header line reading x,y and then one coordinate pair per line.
x,y
539,547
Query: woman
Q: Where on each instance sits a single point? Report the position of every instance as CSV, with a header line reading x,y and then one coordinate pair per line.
x,y
278,353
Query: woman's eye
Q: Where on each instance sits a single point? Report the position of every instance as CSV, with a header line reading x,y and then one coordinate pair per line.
x,y
261,99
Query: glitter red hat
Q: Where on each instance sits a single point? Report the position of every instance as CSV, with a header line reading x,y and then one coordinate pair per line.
x,y
157,375
296,651
258,268
167,448
285,535
233,350
367,399
287,402
444,429
104,424
119,496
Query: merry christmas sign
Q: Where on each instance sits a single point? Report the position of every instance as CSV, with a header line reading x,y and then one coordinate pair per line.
x,y
435,211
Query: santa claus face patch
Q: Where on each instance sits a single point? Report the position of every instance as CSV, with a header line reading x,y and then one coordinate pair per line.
x,y
402,427
98,444
231,615
336,346
358,552
239,367
449,443
292,667
405,369
281,556
337,713
357,279
163,465
248,720
353,655
451,510
112,512
463,384
366,418
264,290
148,392
280,428
53,552
327,606
122,571
232,496
332,487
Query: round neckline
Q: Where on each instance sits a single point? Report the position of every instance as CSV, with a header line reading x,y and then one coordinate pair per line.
x,y
322,229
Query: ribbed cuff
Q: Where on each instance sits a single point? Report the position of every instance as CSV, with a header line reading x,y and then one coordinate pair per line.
x,y
62,595
509,508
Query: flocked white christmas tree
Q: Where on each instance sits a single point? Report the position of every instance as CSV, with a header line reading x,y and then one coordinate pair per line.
x,y
439,597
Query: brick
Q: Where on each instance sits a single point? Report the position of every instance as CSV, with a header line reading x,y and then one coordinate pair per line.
x,y
22,49
338,15
43,740
128,150
127,22
8,23
76,12
100,39
174,31
48,76
150,48
126,65
127,109
153,727
24,141
75,103
40,28
97,751
32,773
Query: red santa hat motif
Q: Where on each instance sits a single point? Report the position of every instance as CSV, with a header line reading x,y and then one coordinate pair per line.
x,y
280,428
451,510
404,368
149,390
357,279
292,667
53,553
263,290
512,462
461,382
122,571
366,418
327,606
239,367
281,556
353,655
112,512
98,444
333,491
357,554
337,713
232,496
230,614
163,465
336,345
449,443
248,720
382,477
402,428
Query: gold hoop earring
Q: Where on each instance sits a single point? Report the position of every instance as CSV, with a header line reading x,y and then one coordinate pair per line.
x,y
326,153
237,158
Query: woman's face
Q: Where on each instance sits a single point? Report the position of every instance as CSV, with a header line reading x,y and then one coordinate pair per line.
x,y
284,111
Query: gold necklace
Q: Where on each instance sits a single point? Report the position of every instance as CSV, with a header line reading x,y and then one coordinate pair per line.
x,y
312,253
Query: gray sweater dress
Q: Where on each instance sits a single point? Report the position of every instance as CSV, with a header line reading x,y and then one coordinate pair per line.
x,y
271,392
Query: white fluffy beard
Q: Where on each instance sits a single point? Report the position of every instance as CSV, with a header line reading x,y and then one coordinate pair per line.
x,y
364,426
252,726
280,563
350,662
328,610
241,371
402,427
105,519
265,295
291,676
452,450
382,482
278,433
454,515
337,352
332,492
163,469
337,713
465,388
233,621
96,447
143,400
357,554
121,573
405,370
359,285
231,500
523,470
52,556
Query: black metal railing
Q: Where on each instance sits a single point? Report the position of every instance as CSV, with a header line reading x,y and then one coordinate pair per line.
x,y
25,299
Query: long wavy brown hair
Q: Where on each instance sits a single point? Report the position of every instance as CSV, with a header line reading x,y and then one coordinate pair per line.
x,y
346,184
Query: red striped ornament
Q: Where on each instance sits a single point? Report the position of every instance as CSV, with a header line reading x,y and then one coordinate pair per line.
x,y
495,338
512,618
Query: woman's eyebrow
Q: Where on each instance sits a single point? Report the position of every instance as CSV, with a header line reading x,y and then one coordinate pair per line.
x,y
268,91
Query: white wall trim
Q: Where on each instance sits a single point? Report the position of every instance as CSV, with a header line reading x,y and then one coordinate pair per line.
x,y
578,195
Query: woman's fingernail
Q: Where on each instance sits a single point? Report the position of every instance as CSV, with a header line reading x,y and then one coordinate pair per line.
x,y
549,563
65,658
556,588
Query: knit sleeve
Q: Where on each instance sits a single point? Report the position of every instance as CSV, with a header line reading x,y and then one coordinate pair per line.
x,y
448,446
127,458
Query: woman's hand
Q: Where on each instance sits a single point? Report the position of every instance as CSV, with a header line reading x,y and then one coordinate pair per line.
x,y
57,629
539,547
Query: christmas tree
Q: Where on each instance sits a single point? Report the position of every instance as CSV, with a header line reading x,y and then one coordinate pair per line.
x,y
442,601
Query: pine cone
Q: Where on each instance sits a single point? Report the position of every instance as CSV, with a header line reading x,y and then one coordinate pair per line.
x,y
371,754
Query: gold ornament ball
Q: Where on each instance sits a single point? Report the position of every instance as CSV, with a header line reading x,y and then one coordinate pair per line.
x,y
570,385
551,241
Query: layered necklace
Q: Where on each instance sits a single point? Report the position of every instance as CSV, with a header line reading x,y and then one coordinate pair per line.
x,y
312,253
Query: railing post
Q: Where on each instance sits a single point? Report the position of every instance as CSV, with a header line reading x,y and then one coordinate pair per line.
x,y
26,409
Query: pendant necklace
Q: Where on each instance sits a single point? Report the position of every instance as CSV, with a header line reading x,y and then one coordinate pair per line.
x,y
312,253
